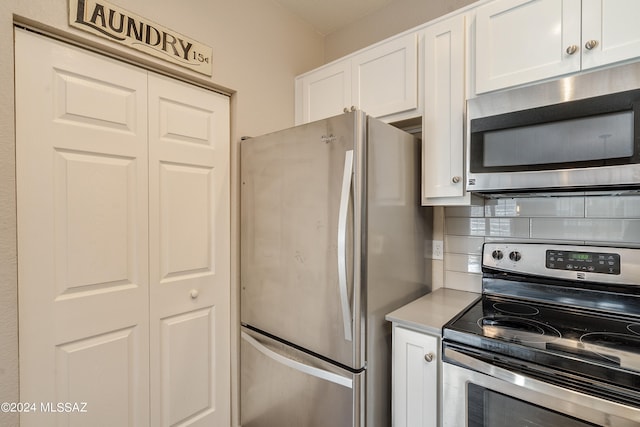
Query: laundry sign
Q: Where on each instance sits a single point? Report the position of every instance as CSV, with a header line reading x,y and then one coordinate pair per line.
x,y
123,27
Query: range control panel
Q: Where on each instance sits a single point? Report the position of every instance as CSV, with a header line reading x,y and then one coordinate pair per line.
x,y
593,262
585,263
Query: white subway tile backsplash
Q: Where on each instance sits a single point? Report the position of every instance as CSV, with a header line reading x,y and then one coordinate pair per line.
x,y
593,229
579,219
463,281
465,226
535,207
531,240
471,245
605,243
464,211
502,207
613,207
508,227
630,232
504,227
463,263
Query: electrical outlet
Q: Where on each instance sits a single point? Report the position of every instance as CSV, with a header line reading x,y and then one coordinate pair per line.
x,y
438,249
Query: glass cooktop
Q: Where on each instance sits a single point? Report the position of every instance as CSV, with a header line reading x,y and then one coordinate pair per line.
x,y
590,349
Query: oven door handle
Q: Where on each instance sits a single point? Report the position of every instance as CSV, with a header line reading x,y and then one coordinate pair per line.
x,y
484,367
521,381
530,382
600,410
511,377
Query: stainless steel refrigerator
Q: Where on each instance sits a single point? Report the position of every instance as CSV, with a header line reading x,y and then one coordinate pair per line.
x,y
332,239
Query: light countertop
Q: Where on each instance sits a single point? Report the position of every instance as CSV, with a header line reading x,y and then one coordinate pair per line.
x,y
432,311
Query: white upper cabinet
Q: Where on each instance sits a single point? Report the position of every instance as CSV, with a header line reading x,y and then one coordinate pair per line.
x,y
613,26
382,81
324,92
521,41
443,119
385,78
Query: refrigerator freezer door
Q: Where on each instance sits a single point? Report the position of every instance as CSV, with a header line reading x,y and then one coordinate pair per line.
x,y
282,386
297,216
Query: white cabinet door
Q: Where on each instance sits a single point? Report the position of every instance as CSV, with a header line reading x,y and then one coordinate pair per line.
x,y
519,41
416,358
613,26
325,92
81,148
381,81
385,77
189,238
443,119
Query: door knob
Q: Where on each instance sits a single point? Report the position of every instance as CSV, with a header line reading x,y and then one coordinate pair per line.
x,y
455,179
572,49
194,293
428,357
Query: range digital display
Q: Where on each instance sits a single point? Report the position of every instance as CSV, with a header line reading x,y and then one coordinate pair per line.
x,y
580,256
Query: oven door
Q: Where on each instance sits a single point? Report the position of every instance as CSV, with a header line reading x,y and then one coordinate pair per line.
x,y
479,394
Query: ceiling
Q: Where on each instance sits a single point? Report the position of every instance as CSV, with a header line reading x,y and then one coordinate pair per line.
x,y
327,16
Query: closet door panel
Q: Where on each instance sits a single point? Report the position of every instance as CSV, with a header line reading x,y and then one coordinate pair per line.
x,y
81,164
189,254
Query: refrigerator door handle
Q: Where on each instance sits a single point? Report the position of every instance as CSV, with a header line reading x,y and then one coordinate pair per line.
x,y
345,196
298,366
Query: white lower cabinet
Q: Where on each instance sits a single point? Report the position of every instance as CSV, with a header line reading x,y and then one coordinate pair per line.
x,y
416,361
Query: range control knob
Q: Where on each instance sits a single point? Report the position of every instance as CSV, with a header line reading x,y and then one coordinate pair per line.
x,y
515,256
497,254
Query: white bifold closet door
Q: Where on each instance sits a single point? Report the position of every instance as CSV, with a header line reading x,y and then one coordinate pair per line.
x,y
123,242
189,254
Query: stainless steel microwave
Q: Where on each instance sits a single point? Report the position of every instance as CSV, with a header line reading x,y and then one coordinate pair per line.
x,y
577,133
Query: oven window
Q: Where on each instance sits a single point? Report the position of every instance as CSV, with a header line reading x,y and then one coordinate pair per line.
x,y
488,408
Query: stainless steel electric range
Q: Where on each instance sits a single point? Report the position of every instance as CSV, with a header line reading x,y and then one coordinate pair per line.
x,y
554,340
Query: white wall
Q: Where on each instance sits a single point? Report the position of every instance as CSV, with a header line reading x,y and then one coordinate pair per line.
x,y
258,49
396,17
